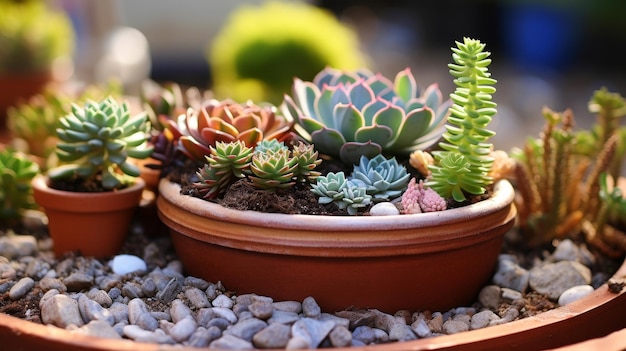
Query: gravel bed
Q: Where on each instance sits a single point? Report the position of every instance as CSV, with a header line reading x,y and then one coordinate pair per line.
x,y
156,302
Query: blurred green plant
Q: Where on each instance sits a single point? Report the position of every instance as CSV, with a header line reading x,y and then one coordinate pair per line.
x,y
559,176
261,48
32,36
16,173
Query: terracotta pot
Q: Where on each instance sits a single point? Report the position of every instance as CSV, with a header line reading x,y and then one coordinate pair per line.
x,y
389,263
95,224
15,87
594,316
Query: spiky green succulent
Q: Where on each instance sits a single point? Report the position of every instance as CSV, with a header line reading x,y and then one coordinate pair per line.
x,y
384,179
226,163
352,114
272,170
466,132
16,173
336,188
97,139
307,162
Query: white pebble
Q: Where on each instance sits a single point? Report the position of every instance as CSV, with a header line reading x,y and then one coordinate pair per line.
x,y
574,293
384,209
124,264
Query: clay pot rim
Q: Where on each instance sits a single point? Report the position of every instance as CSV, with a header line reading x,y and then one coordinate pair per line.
x,y
502,196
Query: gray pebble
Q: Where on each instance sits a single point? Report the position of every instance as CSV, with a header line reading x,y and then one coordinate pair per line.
x,y
340,336
310,308
179,311
554,278
91,310
275,336
203,336
78,282
453,327
197,297
132,290
138,315
223,301
61,311
483,319
21,288
246,329
288,306
231,342
401,332
262,309
195,282
52,283
98,329
183,329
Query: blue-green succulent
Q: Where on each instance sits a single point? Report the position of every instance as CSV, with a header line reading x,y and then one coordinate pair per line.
x,y
349,114
336,188
384,179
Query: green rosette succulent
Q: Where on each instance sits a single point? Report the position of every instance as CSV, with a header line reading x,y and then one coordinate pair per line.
x,y
307,162
330,187
273,170
97,139
466,136
16,173
336,188
352,114
384,179
226,162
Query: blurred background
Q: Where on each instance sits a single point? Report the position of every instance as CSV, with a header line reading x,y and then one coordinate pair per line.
x,y
553,53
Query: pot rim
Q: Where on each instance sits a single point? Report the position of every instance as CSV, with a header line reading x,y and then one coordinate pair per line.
x,y
502,197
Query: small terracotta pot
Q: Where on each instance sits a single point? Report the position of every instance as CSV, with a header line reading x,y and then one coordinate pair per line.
x,y
15,87
95,224
430,261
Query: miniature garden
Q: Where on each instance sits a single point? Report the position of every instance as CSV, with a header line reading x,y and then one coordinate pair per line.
x,y
353,210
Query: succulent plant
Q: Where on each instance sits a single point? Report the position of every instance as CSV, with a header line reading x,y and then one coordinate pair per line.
x,y
464,164
227,121
353,199
272,145
335,188
307,162
260,48
558,178
418,198
32,36
272,170
384,179
352,114
35,120
97,139
16,173
226,163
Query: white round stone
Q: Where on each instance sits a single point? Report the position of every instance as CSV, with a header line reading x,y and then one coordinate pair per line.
x,y
124,264
384,209
574,293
